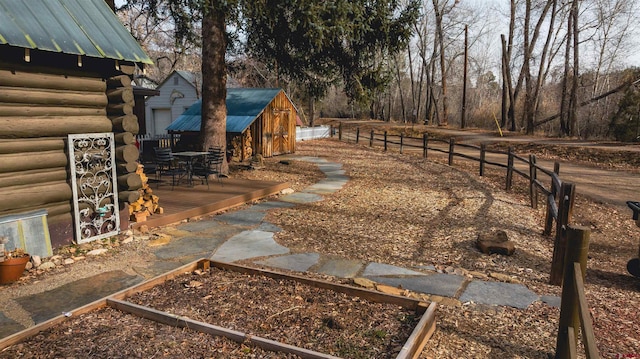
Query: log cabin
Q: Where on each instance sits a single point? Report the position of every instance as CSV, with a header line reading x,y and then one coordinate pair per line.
x,y
259,121
65,68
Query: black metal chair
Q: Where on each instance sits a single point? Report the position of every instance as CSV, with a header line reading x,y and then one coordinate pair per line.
x,y
166,165
212,165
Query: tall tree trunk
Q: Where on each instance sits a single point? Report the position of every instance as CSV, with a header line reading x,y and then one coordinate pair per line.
x,y
573,103
444,120
463,116
214,91
564,118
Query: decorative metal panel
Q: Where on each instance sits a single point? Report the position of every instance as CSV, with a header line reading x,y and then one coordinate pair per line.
x,y
94,182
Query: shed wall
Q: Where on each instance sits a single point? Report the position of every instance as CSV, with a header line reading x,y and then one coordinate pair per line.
x,y
277,127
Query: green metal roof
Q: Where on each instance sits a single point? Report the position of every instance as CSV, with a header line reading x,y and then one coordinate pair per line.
x,y
244,105
79,27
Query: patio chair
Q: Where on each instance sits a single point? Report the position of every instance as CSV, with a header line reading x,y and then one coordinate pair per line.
x,y
166,165
212,165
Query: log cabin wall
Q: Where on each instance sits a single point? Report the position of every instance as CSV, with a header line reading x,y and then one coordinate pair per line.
x,y
40,105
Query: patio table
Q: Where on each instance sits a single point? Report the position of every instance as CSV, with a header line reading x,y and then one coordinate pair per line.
x,y
190,157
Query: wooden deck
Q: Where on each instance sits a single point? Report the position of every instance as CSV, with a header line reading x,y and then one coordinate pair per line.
x,y
186,202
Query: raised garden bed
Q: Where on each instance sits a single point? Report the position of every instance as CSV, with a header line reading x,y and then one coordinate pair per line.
x,y
234,311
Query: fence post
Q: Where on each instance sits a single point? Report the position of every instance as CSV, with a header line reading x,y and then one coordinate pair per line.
x,y
371,139
340,132
565,208
357,135
556,168
451,148
509,168
425,144
483,154
401,142
385,141
331,131
533,176
577,250
548,223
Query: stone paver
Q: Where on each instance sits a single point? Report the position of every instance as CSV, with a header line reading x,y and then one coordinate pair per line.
x,y
296,262
8,326
248,244
498,293
265,206
380,269
46,305
343,268
242,218
188,246
446,285
301,198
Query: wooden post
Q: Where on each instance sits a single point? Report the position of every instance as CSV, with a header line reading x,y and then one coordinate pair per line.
x,y
577,250
565,208
385,141
401,142
483,154
340,132
331,131
451,149
371,139
509,169
357,135
533,193
425,144
556,168
548,223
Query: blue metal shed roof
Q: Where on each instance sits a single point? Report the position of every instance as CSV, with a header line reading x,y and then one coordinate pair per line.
x,y
78,27
244,105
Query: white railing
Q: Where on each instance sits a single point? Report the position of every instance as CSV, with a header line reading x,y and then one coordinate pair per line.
x,y
311,133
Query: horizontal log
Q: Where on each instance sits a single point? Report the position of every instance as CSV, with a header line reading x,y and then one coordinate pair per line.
x,y
125,138
119,81
121,95
128,68
53,209
32,145
127,123
16,197
119,109
12,127
32,111
130,181
53,82
32,161
126,167
127,153
33,177
52,97
128,196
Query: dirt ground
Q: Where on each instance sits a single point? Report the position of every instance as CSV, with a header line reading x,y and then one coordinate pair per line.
x,y
406,211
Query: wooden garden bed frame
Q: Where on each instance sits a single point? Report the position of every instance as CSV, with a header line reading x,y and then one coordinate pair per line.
x,y
411,349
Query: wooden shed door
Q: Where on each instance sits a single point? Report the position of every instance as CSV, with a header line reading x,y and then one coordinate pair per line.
x,y
281,133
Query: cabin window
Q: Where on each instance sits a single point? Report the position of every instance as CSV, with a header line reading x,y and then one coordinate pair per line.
x,y
176,80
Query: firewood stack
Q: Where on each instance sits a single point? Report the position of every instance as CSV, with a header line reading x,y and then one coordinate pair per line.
x,y
125,127
242,146
147,204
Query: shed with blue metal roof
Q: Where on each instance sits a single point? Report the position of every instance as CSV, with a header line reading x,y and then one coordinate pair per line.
x,y
259,121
